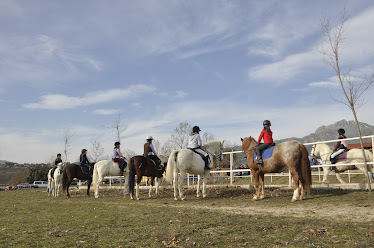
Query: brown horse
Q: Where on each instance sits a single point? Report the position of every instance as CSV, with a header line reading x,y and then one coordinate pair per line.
x,y
72,171
289,154
143,166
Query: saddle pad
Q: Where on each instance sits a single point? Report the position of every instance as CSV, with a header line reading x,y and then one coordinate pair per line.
x,y
342,157
267,153
116,163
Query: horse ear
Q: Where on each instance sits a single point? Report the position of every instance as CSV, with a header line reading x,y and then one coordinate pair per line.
x,y
241,139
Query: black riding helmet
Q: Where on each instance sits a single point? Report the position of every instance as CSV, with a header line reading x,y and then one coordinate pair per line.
x,y
117,143
84,150
267,123
341,131
195,129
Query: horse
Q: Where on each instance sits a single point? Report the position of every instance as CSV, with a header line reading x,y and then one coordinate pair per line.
x,y
72,171
142,166
187,161
51,182
105,168
324,152
57,176
289,154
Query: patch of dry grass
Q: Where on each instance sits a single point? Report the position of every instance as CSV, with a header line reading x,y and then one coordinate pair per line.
x,y
226,218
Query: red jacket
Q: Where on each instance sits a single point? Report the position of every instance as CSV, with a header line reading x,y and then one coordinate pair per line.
x,y
267,135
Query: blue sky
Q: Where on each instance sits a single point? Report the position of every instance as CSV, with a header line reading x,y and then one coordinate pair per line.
x,y
223,65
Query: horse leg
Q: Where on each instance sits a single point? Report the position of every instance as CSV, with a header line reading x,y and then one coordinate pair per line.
x,y
326,172
180,185
89,181
205,180
262,182
151,186
296,191
339,178
256,178
138,180
157,184
175,181
126,177
198,185
67,187
97,184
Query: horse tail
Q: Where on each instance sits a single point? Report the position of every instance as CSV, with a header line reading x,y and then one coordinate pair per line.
x,y
306,171
64,179
172,161
131,176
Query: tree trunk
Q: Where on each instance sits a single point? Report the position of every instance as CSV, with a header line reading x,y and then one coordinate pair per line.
x,y
363,150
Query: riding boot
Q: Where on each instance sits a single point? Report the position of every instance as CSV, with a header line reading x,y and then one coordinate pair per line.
x,y
259,160
334,160
206,160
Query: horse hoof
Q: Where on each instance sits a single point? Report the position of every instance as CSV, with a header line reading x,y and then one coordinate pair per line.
x,y
204,196
176,199
198,196
293,200
254,199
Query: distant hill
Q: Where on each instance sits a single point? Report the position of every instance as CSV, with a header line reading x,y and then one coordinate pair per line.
x,y
330,132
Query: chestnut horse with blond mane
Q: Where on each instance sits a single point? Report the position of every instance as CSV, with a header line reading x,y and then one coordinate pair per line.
x,y
289,154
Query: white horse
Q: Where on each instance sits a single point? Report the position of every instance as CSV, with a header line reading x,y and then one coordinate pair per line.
x,y
324,152
57,179
51,182
187,161
105,168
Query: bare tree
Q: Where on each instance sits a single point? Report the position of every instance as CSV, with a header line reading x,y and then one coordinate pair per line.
x,y
179,136
96,152
352,88
156,145
119,128
67,133
128,153
206,137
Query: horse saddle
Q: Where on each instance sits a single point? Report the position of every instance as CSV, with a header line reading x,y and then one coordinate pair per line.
x,y
266,153
342,157
206,160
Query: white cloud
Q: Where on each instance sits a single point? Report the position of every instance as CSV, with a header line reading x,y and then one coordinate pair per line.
x,y
180,94
105,111
281,71
59,101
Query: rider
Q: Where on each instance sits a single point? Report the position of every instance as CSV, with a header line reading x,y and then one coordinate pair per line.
x,y
340,147
84,161
150,152
118,157
194,143
57,161
267,135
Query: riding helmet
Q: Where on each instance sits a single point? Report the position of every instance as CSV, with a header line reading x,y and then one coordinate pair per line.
x,y
84,150
59,154
267,123
341,131
195,129
149,138
117,143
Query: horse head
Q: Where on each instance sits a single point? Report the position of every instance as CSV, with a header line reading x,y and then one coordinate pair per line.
x,y
248,143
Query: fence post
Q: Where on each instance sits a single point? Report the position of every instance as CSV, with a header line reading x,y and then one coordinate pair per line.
x,y
289,179
349,177
231,167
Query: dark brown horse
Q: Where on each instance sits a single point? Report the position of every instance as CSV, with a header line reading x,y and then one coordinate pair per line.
x,y
72,171
289,154
143,166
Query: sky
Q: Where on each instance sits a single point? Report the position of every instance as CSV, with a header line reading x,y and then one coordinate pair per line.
x,y
222,65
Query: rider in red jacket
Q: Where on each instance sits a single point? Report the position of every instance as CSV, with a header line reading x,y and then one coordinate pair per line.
x,y
267,136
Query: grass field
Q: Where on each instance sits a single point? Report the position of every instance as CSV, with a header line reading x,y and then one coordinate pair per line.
x,y
226,218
